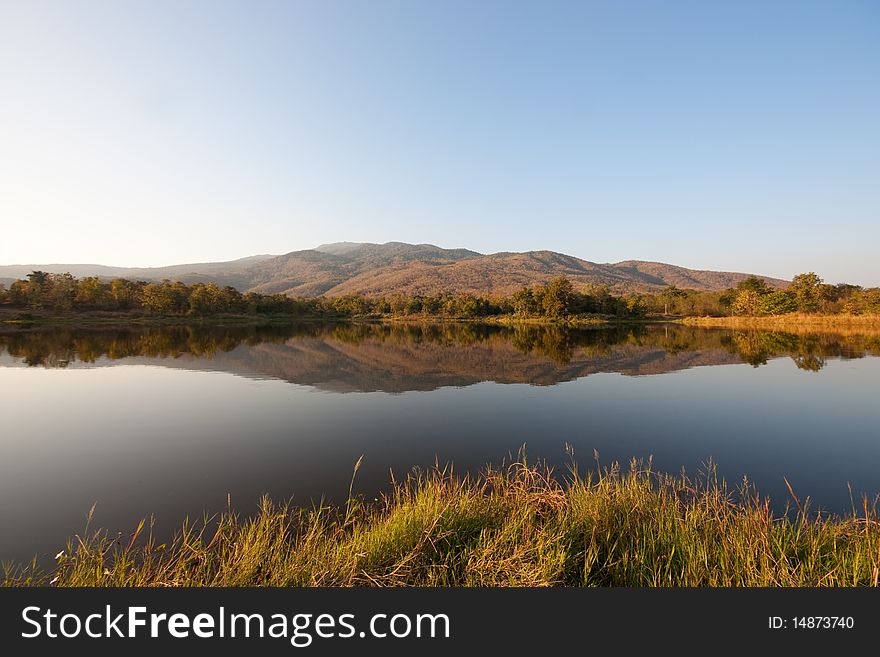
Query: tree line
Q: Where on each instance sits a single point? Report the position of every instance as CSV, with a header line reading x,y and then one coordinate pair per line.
x,y
807,293
63,292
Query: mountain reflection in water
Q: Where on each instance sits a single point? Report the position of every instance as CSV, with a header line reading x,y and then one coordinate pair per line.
x,y
402,357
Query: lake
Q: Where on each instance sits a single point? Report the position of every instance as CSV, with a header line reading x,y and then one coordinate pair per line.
x,y
170,421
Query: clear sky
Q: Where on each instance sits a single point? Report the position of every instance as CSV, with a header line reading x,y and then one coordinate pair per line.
x,y
720,135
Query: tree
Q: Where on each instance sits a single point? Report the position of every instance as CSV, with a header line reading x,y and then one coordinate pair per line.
x,y
755,284
91,292
125,294
18,293
42,289
470,305
600,296
351,304
166,298
669,296
806,291
777,303
38,277
398,304
557,297
60,291
747,302
231,300
205,299
634,306
30,293
863,301
523,302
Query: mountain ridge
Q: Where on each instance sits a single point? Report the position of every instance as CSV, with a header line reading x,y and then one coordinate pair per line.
x,y
371,269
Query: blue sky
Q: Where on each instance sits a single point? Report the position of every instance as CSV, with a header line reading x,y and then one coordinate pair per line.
x,y
718,135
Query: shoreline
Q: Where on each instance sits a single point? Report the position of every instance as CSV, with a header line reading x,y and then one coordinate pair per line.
x,y
795,322
107,318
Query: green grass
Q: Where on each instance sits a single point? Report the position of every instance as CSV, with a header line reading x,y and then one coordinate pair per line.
x,y
514,526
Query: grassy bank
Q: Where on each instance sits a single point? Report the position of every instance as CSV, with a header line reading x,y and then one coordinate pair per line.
x,y
511,527
790,322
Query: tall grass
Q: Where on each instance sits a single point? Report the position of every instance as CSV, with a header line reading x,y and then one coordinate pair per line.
x,y
838,323
511,526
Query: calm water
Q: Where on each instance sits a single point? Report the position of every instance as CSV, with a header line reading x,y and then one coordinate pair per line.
x,y
169,421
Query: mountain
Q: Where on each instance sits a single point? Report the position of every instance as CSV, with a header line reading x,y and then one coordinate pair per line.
x,y
222,273
397,267
332,268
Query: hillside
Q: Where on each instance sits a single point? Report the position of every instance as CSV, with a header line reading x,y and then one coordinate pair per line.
x,y
375,269
396,267
327,269
223,273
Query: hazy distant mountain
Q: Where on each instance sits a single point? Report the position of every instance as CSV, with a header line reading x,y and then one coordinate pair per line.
x,y
222,273
339,248
396,267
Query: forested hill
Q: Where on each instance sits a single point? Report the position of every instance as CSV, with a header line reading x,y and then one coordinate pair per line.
x,y
410,269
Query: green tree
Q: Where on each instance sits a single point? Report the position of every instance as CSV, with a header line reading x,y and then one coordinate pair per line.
x,y
166,298
863,302
398,304
806,291
747,302
31,293
125,294
231,300
91,292
634,305
413,306
38,277
757,285
18,293
601,299
469,305
382,305
523,302
669,296
205,299
351,304
777,303
557,297
60,291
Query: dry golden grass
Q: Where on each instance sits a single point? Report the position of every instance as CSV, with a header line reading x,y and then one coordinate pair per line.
x,y
794,323
515,526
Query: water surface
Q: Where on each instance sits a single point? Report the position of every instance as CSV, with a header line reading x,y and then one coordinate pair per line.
x,y
169,421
